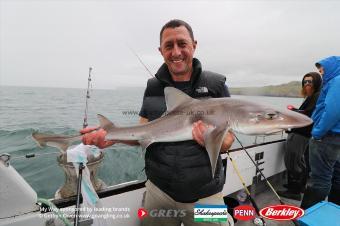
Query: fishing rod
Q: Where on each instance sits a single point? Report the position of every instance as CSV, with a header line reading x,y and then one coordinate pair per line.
x,y
264,177
81,165
85,124
246,189
140,60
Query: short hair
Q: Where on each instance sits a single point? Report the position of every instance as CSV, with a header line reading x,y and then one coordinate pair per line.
x,y
176,23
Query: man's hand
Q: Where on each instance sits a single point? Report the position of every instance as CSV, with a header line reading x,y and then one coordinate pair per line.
x,y
291,107
92,136
228,141
198,130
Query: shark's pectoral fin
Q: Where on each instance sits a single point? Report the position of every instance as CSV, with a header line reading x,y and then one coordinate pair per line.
x,y
145,143
213,140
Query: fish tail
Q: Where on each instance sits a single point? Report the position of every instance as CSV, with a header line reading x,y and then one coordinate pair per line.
x,y
37,137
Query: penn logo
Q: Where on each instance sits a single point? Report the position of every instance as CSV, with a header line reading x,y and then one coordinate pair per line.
x,y
282,212
244,212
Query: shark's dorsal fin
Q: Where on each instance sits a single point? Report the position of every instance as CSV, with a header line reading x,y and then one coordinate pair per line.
x,y
174,98
105,123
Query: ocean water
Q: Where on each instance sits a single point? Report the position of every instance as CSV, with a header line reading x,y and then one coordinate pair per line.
x,y
61,111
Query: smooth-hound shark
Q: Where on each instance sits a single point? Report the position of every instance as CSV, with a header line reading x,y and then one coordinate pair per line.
x,y
223,114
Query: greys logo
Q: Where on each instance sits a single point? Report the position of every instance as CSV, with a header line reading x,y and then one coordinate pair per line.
x,y
167,213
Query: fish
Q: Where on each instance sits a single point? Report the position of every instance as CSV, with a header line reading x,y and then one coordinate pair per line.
x,y
222,114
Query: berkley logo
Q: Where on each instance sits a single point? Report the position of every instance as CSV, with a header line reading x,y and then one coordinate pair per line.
x,y
281,212
244,212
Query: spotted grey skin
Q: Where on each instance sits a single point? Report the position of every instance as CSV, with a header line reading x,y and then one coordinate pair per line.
x,y
182,111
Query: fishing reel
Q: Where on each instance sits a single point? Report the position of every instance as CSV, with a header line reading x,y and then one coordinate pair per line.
x,y
258,222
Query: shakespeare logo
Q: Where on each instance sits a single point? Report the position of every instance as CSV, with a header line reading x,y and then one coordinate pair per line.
x,y
210,213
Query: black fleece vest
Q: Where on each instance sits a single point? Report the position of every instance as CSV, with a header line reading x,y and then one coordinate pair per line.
x,y
182,169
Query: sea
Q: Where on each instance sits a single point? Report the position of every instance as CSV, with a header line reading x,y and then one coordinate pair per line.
x,y
24,110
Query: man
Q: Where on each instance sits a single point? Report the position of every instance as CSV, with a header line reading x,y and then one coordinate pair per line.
x,y
324,146
179,173
296,154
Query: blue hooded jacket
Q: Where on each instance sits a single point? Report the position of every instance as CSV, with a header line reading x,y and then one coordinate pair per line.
x,y
326,116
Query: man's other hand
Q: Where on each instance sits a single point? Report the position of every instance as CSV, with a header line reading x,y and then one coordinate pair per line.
x,y
92,136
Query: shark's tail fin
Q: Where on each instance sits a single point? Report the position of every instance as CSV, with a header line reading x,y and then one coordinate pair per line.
x,y
105,123
37,137
61,142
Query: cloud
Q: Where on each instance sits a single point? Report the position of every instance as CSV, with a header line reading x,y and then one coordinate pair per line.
x,y
52,43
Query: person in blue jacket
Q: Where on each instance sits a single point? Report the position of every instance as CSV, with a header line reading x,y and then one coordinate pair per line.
x,y
324,146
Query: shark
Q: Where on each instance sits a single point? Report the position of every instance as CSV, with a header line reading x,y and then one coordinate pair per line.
x,y
222,114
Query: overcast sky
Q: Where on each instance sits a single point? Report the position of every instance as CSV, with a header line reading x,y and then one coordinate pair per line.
x,y
253,43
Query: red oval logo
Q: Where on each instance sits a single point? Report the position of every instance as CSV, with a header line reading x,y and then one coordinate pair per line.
x,y
282,212
244,212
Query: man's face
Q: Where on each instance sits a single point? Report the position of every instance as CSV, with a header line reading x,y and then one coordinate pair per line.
x,y
308,85
177,49
321,71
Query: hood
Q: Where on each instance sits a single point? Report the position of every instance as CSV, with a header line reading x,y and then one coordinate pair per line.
x,y
331,67
317,80
164,76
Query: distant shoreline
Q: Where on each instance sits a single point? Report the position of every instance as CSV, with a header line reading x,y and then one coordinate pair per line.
x,y
265,95
291,89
